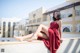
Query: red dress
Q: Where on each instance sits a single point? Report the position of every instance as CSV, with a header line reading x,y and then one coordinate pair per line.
x,y
53,42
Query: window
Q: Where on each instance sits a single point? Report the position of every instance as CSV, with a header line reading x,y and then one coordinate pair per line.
x,y
70,15
34,20
66,15
78,28
34,15
9,24
30,32
51,17
13,28
44,19
8,40
0,30
62,16
30,21
4,24
39,19
3,40
77,12
66,29
0,27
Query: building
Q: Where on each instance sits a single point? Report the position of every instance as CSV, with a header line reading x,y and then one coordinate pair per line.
x,y
0,27
70,14
21,27
35,19
7,28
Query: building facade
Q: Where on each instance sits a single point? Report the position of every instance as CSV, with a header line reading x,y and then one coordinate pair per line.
x,y
35,19
7,28
70,14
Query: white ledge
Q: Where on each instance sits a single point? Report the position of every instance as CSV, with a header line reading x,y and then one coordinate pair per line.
x,y
68,45
24,47
21,42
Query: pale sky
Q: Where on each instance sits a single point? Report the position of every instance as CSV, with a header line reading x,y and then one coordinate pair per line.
x,y
21,8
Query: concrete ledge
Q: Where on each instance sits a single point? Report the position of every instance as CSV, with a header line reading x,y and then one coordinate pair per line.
x,y
18,42
69,45
23,47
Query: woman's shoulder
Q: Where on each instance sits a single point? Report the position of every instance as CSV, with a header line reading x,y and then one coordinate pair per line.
x,y
60,21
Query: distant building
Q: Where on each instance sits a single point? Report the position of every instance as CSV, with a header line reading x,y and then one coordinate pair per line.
x,y
35,19
70,14
21,26
7,28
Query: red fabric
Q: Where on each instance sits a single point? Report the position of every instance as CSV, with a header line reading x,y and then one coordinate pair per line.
x,y
53,42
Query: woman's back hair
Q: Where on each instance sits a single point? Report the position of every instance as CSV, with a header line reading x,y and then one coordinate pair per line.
x,y
58,16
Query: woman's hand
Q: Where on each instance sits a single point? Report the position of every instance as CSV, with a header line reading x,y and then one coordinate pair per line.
x,y
61,41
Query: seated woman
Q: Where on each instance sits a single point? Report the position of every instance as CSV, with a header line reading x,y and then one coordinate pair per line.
x,y
53,33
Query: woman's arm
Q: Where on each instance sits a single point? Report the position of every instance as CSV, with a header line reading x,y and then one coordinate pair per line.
x,y
60,27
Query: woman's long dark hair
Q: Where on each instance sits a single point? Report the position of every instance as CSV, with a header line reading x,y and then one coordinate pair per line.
x,y
58,16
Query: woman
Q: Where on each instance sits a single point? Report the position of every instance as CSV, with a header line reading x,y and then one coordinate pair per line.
x,y
52,35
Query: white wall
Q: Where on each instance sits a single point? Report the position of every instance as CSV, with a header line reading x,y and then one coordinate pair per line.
x,y
25,48
69,45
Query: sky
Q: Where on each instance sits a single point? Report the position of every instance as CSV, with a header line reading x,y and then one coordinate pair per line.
x,y
21,8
